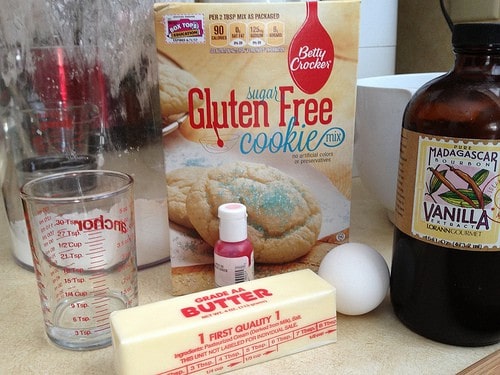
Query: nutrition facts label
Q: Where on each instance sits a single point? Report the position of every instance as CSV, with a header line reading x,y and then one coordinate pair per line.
x,y
251,34
225,349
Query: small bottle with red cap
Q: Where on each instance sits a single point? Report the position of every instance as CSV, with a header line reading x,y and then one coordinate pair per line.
x,y
233,252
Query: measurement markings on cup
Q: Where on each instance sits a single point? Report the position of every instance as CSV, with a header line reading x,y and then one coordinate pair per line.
x,y
100,288
97,251
101,313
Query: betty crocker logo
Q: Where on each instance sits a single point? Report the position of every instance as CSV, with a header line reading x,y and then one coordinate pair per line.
x,y
311,53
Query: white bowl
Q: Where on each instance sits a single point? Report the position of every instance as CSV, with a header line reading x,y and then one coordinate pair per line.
x,y
380,104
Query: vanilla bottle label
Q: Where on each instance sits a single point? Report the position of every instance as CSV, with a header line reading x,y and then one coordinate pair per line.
x,y
448,191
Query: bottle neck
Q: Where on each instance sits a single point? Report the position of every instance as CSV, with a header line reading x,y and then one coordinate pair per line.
x,y
233,230
481,61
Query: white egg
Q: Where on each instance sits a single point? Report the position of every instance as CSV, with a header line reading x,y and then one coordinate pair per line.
x,y
360,275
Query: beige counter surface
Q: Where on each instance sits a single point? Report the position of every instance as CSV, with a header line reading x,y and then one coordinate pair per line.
x,y
375,343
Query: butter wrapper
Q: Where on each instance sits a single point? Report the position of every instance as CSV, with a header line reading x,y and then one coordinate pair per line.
x,y
223,329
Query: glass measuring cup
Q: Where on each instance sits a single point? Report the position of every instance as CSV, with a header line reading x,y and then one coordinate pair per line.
x,y
82,236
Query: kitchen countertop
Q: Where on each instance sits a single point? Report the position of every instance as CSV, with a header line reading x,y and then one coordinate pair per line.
x,y
374,343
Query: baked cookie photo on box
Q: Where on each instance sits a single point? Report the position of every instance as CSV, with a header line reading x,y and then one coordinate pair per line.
x,y
290,211
284,218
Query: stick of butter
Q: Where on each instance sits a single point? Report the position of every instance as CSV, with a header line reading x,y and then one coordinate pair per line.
x,y
226,328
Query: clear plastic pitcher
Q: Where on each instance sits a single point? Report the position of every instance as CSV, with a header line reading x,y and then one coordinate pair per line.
x,y
103,54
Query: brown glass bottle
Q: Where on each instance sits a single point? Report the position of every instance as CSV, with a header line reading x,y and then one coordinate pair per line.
x,y
444,287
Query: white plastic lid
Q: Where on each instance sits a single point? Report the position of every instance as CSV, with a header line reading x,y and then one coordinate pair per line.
x,y
233,222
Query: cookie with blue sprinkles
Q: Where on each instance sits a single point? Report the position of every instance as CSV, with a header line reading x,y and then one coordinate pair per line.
x,y
179,183
284,218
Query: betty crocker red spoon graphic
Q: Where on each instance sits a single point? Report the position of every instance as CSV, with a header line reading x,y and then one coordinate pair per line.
x,y
311,53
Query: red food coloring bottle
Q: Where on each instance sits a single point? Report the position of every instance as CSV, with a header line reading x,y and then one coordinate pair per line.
x,y
233,252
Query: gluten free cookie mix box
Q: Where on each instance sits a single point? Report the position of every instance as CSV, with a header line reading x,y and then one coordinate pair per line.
x,y
258,103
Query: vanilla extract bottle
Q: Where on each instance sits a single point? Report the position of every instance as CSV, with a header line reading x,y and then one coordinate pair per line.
x,y
445,278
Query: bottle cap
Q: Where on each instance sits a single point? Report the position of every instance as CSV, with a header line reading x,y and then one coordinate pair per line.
x,y
233,222
476,35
